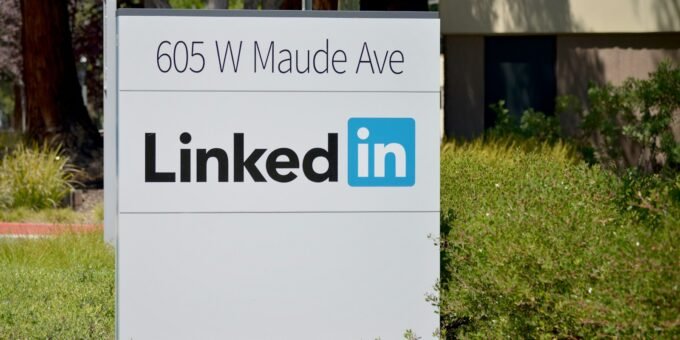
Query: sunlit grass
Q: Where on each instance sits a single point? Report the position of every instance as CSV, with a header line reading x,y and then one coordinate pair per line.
x,y
538,244
57,288
35,177
57,216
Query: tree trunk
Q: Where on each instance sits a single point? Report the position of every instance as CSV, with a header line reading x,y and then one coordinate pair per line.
x,y
17,116
217,4
394,5
325,5
54,106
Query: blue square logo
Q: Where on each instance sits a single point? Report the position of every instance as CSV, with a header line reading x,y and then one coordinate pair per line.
x,y
381,152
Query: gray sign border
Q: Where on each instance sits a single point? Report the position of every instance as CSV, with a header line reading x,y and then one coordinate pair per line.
x,y
112,166
155,12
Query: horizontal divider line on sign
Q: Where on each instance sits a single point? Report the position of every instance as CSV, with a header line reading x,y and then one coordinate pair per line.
x,y
277,91
280,212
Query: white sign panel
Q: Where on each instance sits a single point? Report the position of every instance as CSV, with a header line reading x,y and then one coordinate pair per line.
x,y
278,175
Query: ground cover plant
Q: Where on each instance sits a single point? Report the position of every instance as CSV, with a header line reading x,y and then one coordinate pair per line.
x,y
57,288
536,243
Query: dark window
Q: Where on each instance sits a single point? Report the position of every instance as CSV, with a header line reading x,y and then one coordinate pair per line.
x,y
521,71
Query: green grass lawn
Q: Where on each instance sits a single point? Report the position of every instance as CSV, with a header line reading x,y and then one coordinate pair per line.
x,y
57,288
534,244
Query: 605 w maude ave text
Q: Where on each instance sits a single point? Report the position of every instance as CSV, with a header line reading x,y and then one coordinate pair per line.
x,y
271,57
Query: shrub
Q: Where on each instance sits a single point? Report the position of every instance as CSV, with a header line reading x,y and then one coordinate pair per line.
x,y
536,244
641,112
505,122
98,213
5,196
535,124
8,141
36,177
532,125
651,199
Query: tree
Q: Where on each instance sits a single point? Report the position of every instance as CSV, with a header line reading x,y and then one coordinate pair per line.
x,y
87,20
10,44
10,55
54,106
325,5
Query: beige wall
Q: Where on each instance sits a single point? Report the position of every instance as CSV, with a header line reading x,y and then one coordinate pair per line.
x,y
610,58
464,86
580,60
558,16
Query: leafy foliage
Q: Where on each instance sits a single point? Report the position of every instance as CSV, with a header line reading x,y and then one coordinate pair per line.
x,y
187,3
536,244
638,111
87,21
5,197
36,177
532,125
10,40
651,199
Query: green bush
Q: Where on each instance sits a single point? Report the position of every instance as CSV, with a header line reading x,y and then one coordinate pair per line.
x,y
8,141
5,196
640,112
35,177
536,244
532,125
651,199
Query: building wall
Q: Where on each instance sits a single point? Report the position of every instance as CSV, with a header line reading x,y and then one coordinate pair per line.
x,y
608,58
464,86
559,16
581,59
597,41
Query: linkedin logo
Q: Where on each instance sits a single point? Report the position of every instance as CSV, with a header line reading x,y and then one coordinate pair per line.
x,y
381,152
